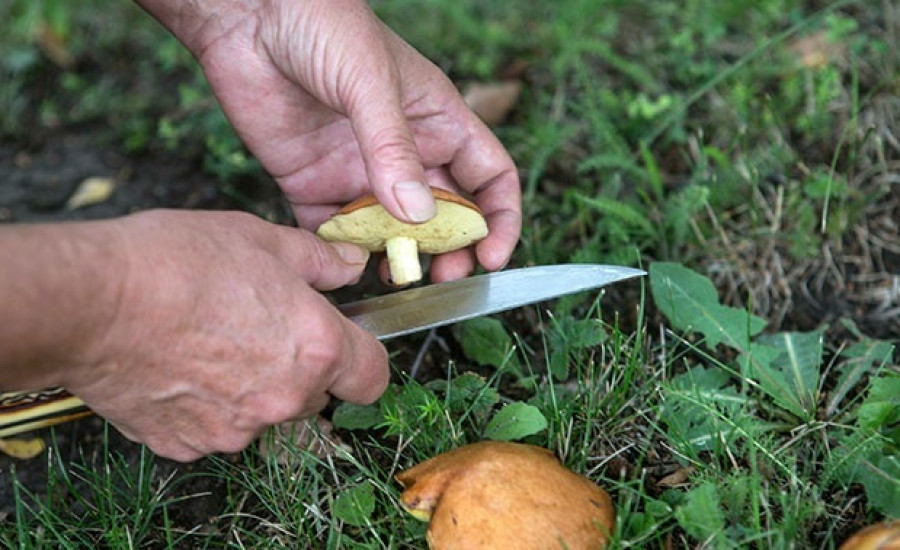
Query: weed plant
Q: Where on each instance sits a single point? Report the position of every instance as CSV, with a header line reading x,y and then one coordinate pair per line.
x,y
745,395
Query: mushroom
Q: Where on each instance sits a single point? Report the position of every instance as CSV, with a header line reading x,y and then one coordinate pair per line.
x,y
502,495
880,536
457,224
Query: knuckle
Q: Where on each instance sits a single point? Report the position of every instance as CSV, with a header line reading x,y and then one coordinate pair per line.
x,y
279,408
265,408
233,442
393,145
323,345
383,376
177,453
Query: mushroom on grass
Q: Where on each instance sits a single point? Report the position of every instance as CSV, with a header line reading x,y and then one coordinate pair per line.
x,y
457,224
880,536
501,495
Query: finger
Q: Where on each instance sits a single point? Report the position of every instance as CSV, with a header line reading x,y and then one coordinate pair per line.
x,y
311,216
452,265
440,177
483,167
387,146
363,370
323,265
384,273
495,250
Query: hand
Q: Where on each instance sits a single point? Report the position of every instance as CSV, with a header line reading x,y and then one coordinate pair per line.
x,y
334,105
220,332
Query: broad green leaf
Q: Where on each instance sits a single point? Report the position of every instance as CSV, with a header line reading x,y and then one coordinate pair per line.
x,y
701,515
882,406
705,380
349,416
755,366
485,341
701,410
470,393
881,480
845,458
786,366
571,335
515,421
355,505
690,302
858,361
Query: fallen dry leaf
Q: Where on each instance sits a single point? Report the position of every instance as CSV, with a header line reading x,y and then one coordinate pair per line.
x,y
91,191
22,448
54,47
492,101
676,478
815,50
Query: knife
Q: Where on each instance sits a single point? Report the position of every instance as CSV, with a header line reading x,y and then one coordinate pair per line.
x,y
386,317
431,306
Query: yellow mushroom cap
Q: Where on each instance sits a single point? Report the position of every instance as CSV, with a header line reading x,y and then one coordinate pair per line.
x,y
502,495
456,224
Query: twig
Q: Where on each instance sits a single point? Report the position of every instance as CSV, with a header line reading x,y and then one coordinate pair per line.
x,y
420,357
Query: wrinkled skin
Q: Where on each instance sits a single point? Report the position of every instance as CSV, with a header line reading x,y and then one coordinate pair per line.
x,y
334,104
202,353
190,331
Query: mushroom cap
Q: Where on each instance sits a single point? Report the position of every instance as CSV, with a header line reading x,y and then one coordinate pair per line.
x,y
502,495
879,536
456,224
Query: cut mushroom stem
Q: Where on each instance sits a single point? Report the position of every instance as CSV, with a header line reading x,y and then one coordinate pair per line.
x,y
403,259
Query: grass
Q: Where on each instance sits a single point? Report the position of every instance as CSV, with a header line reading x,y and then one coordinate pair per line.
x,y
745,396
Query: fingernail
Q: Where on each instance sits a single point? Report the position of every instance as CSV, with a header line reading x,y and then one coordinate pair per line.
x,y
351,253
416,200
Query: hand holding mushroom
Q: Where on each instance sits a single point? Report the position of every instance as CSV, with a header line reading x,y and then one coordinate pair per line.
x,y
366,114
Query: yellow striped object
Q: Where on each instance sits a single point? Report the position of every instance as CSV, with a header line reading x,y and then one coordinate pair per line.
x,y
29,410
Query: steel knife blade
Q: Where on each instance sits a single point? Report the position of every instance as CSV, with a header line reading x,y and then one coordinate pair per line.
x,y
425,307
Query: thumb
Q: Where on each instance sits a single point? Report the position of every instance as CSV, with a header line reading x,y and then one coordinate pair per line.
x,y
323,265
389,152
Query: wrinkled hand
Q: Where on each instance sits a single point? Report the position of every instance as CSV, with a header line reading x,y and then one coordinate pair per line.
x,y
335,105
220,332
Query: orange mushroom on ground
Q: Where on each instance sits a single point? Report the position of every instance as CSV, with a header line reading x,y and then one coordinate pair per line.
x,y
880,536
502,495
457,223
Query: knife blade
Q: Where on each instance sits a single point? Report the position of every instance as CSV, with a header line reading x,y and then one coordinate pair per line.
x,y
422,308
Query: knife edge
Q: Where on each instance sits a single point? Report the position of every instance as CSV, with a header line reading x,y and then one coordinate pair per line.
x,y
422,308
